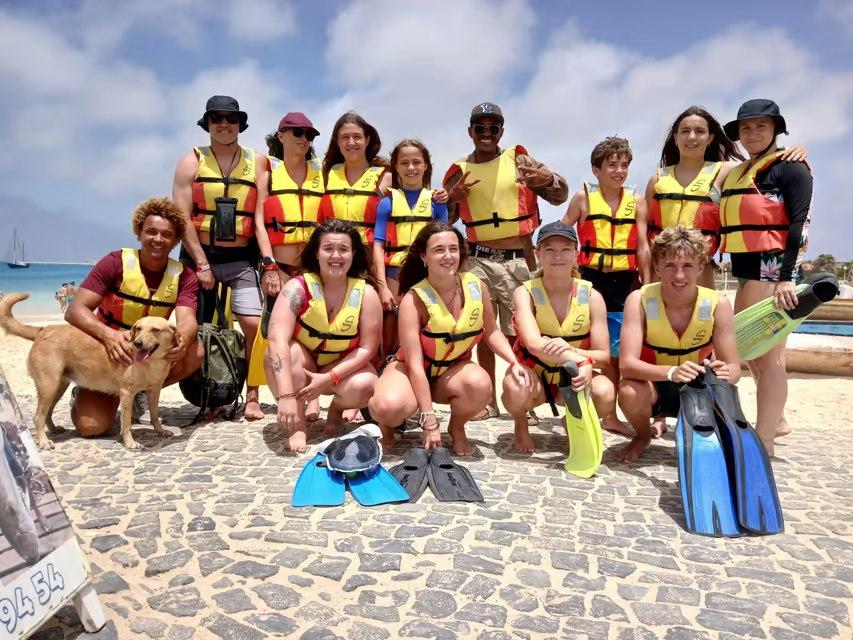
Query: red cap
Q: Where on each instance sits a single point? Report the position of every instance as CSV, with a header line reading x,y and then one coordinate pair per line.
x,y
296,119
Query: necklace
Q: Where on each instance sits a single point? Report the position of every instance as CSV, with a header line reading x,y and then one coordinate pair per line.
x,y
457,285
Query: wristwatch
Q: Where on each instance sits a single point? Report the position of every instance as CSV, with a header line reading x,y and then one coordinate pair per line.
x,y
269,264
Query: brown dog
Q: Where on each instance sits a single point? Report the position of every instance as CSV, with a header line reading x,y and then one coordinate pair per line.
x,y
62,354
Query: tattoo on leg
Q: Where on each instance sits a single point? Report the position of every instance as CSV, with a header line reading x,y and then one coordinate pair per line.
x,y
277,365
295,298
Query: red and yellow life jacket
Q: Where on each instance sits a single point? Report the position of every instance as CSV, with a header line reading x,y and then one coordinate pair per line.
x,y
498,206
405,224
290,210
356,203
692,206
210,184
445,340
662,345
751,221
574,328
329,341
134,300
609,240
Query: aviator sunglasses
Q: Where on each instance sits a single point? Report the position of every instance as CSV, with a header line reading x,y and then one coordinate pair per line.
x,y
231,118
480,129
298,132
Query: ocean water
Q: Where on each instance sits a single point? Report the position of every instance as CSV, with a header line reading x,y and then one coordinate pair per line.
x,y
41,281
827,328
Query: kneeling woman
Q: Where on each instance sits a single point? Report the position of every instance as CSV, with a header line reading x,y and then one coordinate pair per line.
x,y
558,318
324,331
443,314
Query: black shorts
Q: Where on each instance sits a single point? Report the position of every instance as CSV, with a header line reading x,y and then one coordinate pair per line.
x,y
614,286
668,404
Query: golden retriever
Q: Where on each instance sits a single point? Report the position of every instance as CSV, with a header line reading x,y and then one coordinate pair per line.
x,y
62,354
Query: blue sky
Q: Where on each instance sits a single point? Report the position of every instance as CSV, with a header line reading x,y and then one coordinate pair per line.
x,y
101,96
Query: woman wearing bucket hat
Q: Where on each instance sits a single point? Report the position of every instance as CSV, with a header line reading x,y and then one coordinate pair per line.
x,y
764,218
285,220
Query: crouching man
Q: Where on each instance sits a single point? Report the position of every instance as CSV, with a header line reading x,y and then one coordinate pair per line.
x,y
123,287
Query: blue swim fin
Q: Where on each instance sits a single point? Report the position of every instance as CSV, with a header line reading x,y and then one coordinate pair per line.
x,y
376,487
706,489
318,486
758,506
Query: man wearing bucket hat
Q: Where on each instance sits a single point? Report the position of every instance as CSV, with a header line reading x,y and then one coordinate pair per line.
x,y
494,192
217,188
764,218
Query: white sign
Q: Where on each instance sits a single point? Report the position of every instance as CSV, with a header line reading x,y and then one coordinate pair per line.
x,y
41,563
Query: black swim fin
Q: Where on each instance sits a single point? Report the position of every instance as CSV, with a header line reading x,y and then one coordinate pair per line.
x,y
449,481
412,473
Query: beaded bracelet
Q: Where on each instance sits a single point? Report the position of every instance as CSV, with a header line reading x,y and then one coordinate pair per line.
x,y
292,394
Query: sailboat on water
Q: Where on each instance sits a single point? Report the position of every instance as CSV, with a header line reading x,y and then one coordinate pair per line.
x,y
16,246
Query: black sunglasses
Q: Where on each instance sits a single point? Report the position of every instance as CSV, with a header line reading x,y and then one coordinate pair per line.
x,y
480,129
298,132
231,118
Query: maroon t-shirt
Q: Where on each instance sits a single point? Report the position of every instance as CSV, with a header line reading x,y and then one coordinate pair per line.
x,y
105,277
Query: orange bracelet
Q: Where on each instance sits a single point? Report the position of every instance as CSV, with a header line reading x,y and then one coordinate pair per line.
x,y
335,378
584,362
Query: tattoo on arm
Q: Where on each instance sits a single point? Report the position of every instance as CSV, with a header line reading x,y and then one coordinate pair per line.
x,y
277,364
295,298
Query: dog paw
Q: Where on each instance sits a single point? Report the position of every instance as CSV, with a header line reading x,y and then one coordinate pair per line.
x,y
133,445
165,433
56,430
45,444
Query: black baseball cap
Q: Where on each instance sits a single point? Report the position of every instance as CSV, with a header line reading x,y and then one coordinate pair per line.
x,y
224,103
556,229
487,110
758,108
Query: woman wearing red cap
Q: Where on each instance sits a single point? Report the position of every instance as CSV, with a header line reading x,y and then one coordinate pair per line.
x,y
285,219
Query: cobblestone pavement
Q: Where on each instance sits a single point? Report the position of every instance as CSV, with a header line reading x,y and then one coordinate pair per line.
x,y
195,538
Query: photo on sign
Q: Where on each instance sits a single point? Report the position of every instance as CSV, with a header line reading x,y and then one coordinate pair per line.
x,y
32,521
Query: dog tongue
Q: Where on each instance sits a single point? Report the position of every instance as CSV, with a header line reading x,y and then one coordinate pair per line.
x,y
142,356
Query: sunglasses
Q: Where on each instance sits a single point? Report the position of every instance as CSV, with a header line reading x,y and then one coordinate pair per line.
x,y
230,118
480,129
298,132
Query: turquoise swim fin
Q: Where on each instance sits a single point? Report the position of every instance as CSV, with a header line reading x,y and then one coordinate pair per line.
x,y
762,326
374,487
318,486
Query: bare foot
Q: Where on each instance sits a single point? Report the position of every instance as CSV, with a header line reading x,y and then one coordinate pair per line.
x,y
770,446
522,442
253,410
532,419
632,450
332,429
387,441
658,427
459,442
212,414
613,424
296,442
334,421
312,411
487,413
352,415
783,429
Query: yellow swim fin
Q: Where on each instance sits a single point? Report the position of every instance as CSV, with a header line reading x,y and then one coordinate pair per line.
x,y
223,291
586,446
257,374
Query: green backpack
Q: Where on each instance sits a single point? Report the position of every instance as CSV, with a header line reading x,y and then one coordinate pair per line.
x,y
219,380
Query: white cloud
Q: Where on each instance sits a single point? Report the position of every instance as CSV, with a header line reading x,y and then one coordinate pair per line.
x,y
840,11
260,21
120,127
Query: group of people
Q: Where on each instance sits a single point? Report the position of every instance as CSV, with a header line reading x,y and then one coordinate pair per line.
x,y
369,293
65,294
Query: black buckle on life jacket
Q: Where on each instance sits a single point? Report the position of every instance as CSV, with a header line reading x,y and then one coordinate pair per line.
x,y
277,226
450,338
148,302
753,227
496,220
676,352
112,321
686,197
314,333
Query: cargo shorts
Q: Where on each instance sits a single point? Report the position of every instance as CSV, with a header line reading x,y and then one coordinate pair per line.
x,y
501,279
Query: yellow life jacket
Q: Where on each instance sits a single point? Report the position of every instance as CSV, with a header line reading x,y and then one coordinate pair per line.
x,y
608,239
329,341
134,300
498,206
574,329
356,203
290,211
405,224
210,184
751,222
445,340
662,345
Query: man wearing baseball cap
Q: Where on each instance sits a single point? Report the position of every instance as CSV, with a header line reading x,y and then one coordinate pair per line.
x,y
494,192
559,318
216,188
